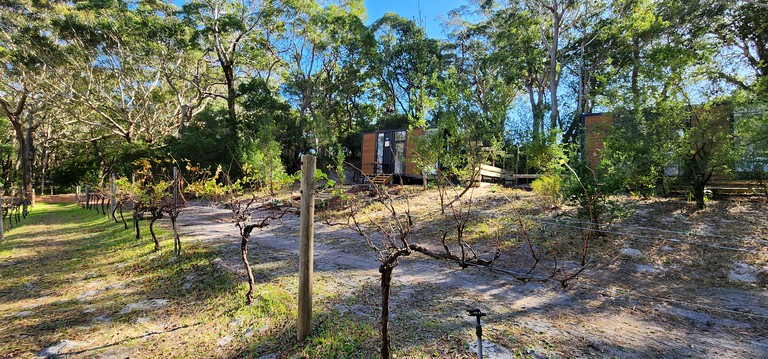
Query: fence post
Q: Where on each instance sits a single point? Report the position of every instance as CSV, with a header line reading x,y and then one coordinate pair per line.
x,y
306,246
175,212
77,196
87,197
112,194
2,220
175,186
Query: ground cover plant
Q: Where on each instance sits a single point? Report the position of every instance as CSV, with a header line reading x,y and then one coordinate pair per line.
x,y
74,278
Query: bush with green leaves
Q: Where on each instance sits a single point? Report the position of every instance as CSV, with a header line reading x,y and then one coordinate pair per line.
x,y
585,190
262,168
550,187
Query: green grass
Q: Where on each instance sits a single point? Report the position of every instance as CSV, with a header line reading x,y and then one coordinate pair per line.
x,y
72,268
67,273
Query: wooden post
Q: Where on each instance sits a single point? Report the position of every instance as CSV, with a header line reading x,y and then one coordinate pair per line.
x,y
77,196
2,220
87,197
175,212
175,186
112,194
306,246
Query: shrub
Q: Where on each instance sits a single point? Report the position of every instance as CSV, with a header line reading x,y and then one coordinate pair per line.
x,y
550,187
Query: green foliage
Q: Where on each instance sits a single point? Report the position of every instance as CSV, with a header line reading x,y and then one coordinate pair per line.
x,y
751,133
405,60
341,339
205,140
338,163
322,178
549,186
270,125
638,149
214,187
585,191
546,154
430,147
262,167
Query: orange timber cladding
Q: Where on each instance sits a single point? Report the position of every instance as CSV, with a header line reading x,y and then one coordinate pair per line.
x,y
389,151
596,127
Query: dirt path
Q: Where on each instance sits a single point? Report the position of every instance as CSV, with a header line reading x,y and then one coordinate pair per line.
x,y
537,319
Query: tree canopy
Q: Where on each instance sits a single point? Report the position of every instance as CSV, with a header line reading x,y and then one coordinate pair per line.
x,y
89,87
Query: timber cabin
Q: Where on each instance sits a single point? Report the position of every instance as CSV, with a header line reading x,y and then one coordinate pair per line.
x,y
387,153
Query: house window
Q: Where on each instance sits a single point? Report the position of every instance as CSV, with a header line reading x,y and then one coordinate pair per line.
x,y
379,152
399,154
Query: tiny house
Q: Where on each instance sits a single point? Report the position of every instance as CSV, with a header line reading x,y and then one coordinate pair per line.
x,y
389,152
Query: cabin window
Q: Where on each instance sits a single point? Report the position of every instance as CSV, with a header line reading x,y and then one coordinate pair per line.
x,y
399,153
379,152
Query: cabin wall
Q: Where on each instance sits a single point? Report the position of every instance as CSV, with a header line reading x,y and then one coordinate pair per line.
x,y
410,147
596,131
369,153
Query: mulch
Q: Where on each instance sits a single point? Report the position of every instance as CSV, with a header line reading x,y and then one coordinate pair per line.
x,y
57,198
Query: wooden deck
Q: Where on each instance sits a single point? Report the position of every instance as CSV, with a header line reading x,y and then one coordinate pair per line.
x,y
499,175
723,187
381,179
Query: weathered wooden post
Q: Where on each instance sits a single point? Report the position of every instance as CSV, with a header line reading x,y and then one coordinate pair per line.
x,y
87,197
176,240
306,246
2,220
112,196
77,196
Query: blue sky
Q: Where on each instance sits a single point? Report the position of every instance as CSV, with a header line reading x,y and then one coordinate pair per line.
x,y
431,10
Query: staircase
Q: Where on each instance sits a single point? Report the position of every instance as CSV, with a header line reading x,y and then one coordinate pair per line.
x,y
381,179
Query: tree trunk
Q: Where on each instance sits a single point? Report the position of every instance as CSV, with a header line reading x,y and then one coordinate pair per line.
x,y
251,282
698,194
122,217
27,156
184,119
155,216
114,217
231,114
136,223
386,340
553,72
635,68
534,112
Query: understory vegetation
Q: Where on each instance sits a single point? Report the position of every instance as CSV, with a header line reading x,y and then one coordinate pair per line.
x,y
73,274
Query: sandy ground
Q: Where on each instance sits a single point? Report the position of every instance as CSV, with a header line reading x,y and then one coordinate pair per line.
x,y
630,307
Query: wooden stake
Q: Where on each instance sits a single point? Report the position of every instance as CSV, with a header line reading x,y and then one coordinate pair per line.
x,y
306,246
112,195
2,220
